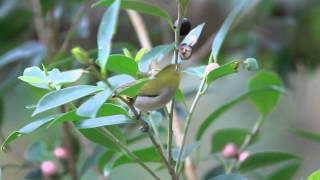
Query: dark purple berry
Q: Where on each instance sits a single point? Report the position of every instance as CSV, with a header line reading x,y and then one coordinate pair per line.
x,y
185,26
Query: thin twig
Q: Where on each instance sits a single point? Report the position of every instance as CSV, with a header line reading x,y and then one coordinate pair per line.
x,y
189,170
127,151
83,8
156,132
157,146
247,142
140,29
189,117
176,59
170,132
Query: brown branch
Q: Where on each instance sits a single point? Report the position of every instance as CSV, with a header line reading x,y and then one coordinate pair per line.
x,y
39,22
68,144
51,34
140,29
150,135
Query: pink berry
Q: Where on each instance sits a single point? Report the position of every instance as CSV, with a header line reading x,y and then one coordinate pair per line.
x,y
48,168
210,67
243,156
60,153
230,150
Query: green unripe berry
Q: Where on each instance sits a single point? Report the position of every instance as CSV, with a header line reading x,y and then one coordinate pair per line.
x,y
81,55
250,64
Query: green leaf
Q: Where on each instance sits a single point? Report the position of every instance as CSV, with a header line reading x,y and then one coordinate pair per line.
x,y
140,7
92,106
109,109
59,78
91,160
146,155
224,136
156,117
34,174
193,36
156,53
127,53
264,101
29,128
184,3
31,80
315,137
68,116
219,111
104,121
120,80
286,172
97,137
181,98
106,30
35,77
29,50
140,54
63,96
104,159
37,152
1,110
9,80
134,89
228,177
122,65
221,71
265,159
195,71
106,109
315,175
187,151
38,78
225,28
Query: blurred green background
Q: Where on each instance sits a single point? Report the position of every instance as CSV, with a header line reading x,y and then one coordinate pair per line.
x,y
283,35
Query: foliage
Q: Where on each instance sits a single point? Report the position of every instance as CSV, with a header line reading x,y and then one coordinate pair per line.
x,y
97,100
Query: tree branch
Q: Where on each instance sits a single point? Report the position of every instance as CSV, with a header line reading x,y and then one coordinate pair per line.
x,y
140,29
39,22
68,144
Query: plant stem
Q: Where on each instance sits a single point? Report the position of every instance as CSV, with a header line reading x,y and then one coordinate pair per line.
x,y
189,117
247,142
156,132
170,168
68,144
170,132
127,151
254,132
157,146
176,59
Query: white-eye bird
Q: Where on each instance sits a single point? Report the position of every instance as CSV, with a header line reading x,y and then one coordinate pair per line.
x,y
160,90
